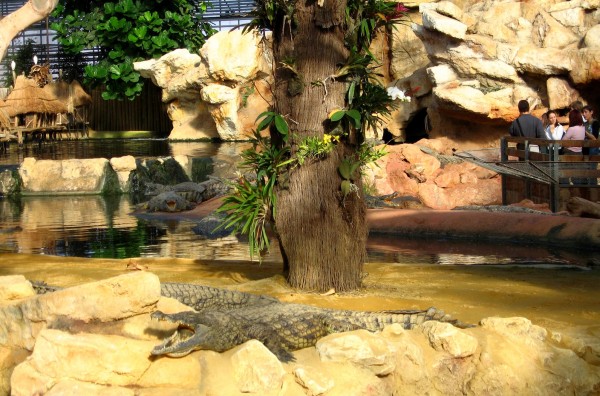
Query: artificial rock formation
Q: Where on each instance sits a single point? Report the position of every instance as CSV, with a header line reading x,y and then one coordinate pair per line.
x,y
216,94
467,65
95,339
409,171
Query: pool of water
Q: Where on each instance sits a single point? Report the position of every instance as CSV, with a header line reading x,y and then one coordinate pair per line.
x,y
98,227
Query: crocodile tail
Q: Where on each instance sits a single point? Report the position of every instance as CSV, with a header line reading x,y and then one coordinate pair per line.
x,y
376,321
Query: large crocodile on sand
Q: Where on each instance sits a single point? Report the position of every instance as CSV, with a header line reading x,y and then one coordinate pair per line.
x,y
225,318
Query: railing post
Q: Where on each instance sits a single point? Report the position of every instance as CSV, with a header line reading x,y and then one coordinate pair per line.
x,y
503,158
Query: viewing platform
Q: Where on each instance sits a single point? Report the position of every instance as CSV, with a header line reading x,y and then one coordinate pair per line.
x,y
548,176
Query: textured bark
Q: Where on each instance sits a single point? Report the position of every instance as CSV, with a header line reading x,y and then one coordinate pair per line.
x,y
31,12
322,235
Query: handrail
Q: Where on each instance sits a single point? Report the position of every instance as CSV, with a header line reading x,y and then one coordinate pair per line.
x,y
546,142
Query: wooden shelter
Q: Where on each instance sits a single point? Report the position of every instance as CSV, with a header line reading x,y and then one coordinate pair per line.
x,y
32,106
56,108
77,101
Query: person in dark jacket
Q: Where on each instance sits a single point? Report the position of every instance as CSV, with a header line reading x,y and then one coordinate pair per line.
x,y
527,125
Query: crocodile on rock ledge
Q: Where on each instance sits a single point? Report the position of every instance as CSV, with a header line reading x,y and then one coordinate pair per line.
x,y
227,318
281,327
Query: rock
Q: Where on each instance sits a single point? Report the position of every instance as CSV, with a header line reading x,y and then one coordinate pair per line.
x,y
361,347
409,171
204,92
98,302
445,337
560,93
592,37
15,287
443,24
315,382
256,369
9,183
105,360
96,339
75,176
123,167
207,227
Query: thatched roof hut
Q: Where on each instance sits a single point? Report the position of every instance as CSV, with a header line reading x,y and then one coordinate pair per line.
x,y
72,95
26,97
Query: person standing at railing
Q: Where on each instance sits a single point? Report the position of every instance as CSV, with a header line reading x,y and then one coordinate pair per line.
x,y
527,126
592,127
554,130
575,131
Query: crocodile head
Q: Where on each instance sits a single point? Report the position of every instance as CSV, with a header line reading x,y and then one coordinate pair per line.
x,y
188,337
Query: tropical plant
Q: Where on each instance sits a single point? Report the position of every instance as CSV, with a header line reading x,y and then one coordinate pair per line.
x,y
315,195
126,31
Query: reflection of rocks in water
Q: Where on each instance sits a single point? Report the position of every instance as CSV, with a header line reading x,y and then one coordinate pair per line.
x,y
51,223
180,241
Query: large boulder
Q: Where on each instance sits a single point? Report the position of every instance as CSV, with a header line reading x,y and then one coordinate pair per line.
x,y
426,172
74,176
217,93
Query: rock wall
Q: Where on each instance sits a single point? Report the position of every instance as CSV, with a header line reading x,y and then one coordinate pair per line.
x,y
466,63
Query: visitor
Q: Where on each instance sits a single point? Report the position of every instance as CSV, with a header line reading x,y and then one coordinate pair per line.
x,y
591,126
575,131
527,126
554,130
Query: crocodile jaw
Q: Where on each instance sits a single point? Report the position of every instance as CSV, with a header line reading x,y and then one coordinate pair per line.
x,y
186,339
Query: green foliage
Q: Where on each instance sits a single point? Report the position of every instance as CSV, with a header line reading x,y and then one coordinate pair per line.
x,y
273,15
276,120
366,153
312,147
373,104
246,91
253,203
127,31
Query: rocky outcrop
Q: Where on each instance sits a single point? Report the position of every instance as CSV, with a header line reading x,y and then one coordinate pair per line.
x,y
466,66
96,338
216,94
485,57
75,176
428,172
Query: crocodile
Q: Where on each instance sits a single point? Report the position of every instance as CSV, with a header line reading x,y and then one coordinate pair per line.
x,y
226,318
199,297
282,328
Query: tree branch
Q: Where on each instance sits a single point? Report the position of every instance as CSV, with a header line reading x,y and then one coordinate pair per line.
x,y
12,24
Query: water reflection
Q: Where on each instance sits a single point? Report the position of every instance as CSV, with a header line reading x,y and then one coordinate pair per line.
x,y
99,227
106,148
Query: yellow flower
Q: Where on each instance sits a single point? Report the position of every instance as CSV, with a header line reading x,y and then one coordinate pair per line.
x,y
326,138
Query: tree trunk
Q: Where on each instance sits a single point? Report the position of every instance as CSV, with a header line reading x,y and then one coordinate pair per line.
x,y
31,12
322,234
